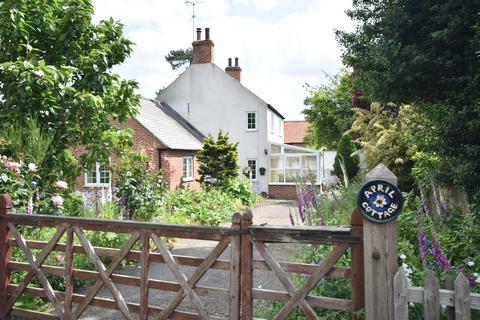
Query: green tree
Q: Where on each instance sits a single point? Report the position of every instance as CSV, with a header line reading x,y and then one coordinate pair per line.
x,y
424,53
385,135
329,111
178,58
55,67
346,157
218,158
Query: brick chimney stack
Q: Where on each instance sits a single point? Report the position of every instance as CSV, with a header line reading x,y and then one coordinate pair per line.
x,y
202,49
233,71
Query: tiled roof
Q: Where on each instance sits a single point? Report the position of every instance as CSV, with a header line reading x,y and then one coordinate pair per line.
x,y
168,126
295,131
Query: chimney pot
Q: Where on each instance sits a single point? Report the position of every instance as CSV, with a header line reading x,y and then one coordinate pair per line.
x,y
202,50
233,71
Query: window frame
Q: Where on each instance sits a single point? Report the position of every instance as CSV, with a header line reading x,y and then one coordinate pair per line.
x,y
247,113
98,176
284,171
255,172
185,168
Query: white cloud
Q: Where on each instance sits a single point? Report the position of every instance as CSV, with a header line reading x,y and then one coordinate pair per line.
x,y
277,56
264,5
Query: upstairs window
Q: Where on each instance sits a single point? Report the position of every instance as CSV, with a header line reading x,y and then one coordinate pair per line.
x,y
98,176
187,168
251,121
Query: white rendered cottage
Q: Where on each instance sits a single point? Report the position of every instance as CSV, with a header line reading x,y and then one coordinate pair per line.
x,y
210,99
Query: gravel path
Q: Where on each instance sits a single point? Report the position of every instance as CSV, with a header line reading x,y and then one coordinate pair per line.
x,y
271,212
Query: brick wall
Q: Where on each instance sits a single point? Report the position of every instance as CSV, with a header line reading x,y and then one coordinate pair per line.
x,y
172,164
282,192
144,141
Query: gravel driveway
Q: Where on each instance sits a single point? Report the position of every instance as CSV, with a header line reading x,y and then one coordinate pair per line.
x,y
271,212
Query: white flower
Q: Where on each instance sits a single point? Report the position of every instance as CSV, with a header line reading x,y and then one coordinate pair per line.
x,y
57,201
411,304
380,201
476,275
403,257
470,263
32,167
61,184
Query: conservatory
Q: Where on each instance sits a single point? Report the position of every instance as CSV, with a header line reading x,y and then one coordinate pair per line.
x,y
287,163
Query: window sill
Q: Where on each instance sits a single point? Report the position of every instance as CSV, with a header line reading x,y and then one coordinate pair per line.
x,y
251,130
187,179
97,185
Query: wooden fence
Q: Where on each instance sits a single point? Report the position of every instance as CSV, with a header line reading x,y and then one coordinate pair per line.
x,y
456,297
73,304
242,237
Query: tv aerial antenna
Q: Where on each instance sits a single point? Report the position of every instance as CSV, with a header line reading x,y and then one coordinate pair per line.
x,y
193,3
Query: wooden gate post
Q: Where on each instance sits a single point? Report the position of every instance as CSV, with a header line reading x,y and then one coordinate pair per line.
x,y
5,255
380,255
358,270
235,265
247,267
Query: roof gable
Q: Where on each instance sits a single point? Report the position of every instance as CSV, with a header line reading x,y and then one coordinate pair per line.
x,y
226,77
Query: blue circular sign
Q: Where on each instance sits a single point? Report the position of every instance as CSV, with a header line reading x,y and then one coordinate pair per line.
x,y
380,201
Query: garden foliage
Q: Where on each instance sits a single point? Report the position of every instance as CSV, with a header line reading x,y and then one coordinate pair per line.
x,y
424,53
346,161
55,66
442,239
385,135
329,111
218,159
138,190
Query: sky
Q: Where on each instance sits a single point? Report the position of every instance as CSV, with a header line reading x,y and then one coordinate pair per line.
x,y
281,44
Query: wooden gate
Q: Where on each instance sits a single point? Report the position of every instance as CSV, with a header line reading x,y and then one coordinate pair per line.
x,y
71,238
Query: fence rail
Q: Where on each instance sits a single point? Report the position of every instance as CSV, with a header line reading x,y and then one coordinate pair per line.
x,y
457,299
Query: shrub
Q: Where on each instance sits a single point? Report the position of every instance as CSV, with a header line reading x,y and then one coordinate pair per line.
x,y
138,191
218,159
210,207
240,188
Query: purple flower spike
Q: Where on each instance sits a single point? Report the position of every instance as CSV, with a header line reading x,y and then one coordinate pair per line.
x,y
445,205
471,279
443,262
122,201
322,220
30,207
301,214
292,221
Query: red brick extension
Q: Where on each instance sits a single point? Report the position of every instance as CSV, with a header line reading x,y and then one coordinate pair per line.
x,y
172,160
282,192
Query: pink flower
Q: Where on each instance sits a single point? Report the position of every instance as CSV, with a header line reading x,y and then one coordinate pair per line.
x,y
13,166
61,184
32,167
57,201
60,259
